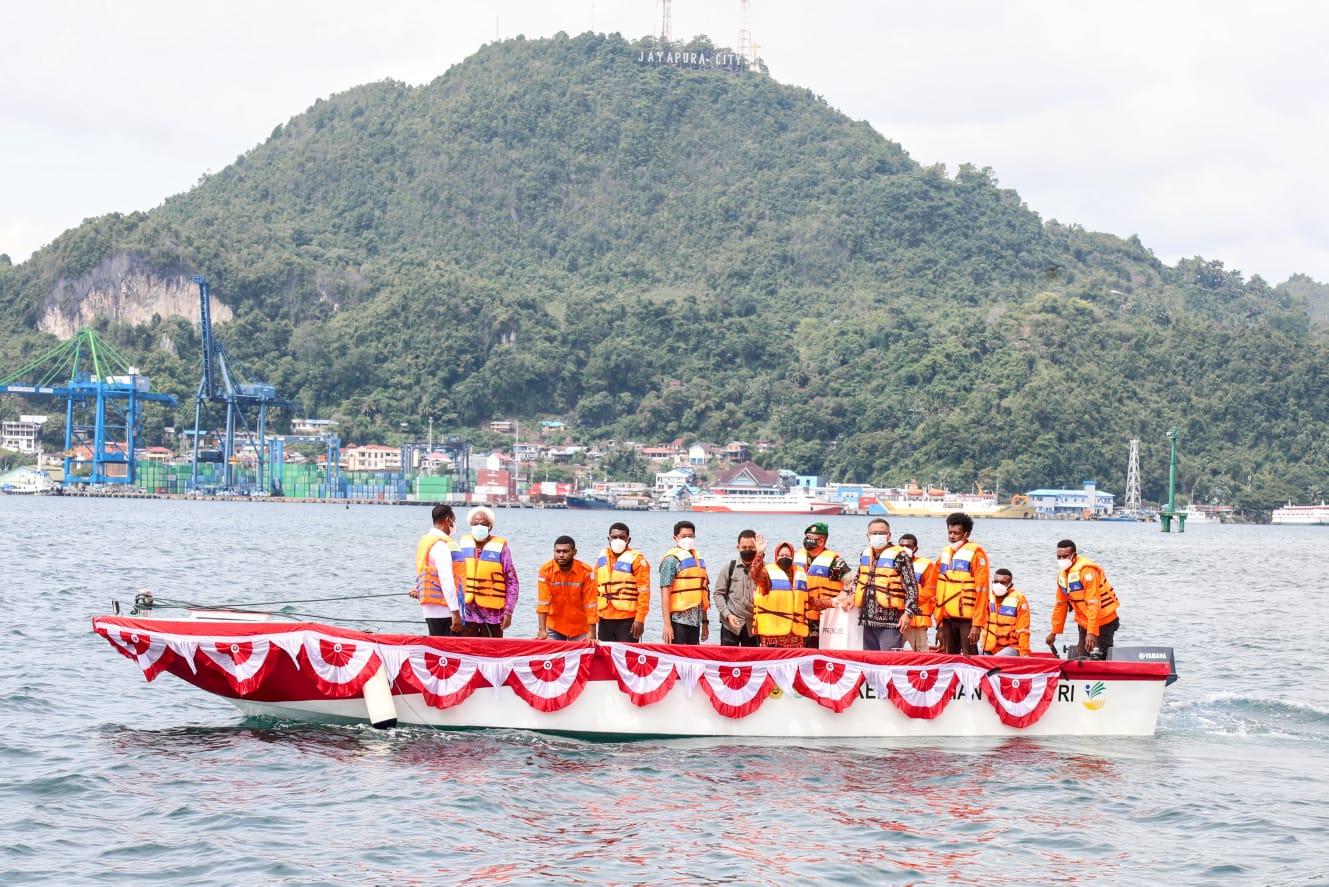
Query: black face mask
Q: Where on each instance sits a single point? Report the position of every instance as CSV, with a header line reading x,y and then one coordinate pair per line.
x,y
747,555
809,543
785,563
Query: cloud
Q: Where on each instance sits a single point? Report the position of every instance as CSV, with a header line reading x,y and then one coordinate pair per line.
x,y
1196,125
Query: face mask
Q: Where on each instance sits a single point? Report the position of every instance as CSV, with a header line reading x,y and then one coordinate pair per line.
x,y
747,555
810,544
618,546
785,563
687,543
479,532
877,540
1000,587
1064,563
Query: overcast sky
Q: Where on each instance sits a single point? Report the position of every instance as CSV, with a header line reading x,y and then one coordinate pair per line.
x,y
1203,127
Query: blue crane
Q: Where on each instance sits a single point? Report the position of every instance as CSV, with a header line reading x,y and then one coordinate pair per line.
x,y
239,394
103,395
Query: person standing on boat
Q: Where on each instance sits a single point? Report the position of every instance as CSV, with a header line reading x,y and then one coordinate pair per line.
x,y
781,600
685,589
1005,620
1082,586
623,582
735,590
885,590
828,575
925,568
961,586
566,601
491,579
439,572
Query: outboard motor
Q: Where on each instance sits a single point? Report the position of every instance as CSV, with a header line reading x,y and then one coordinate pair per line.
x,y
142,604
1146,654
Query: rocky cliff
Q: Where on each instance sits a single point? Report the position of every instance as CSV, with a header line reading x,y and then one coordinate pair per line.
x,y
122,289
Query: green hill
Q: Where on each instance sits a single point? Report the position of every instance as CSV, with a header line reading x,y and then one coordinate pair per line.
x,y
552,229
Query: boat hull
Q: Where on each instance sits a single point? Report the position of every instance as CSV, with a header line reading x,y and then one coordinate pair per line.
x,y
823,508
308,671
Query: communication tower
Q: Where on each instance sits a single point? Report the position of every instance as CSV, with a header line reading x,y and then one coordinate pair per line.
x,y
1133,503
745,33
666,23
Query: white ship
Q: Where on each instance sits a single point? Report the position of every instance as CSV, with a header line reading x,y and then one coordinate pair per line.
x,y
1301,514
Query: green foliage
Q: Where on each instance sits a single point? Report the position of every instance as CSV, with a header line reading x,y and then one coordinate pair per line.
x,y
552,230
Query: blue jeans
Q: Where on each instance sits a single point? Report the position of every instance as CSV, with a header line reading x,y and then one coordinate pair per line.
x,y
555,636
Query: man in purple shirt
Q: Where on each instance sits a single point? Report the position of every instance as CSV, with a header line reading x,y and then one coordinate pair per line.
x,y
491,579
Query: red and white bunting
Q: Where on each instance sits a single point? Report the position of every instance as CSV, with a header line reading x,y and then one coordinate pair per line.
x,y
341,666
1020,700
736,691
833,683
150,652
553,682
919,692
645,677
244,662
443,679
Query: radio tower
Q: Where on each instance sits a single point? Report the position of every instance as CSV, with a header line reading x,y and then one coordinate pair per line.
x,y
666,24
745,33
1133,478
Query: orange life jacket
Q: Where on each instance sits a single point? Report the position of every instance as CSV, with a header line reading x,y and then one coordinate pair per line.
x,y
957,590
1007,623
486,586
1094,601
821,587
692,585
427,583
881,577
927,593
783,609
617,592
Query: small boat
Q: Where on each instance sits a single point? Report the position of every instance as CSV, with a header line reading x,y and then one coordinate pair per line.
x,y
267,667
589,501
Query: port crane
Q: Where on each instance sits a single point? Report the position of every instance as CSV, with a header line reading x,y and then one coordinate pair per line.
x,y
103,397
225,382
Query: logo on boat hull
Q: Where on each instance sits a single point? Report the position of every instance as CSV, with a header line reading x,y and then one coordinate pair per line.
x,y
1094,691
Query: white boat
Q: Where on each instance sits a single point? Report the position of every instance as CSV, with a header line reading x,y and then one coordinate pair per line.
x,y
764,502
311,671
1198,514
917,502
1301,514
26,481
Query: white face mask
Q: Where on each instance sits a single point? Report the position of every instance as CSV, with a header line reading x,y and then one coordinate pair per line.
x,y
687,543
1000,587
878,540
1065,562
479,532
618,546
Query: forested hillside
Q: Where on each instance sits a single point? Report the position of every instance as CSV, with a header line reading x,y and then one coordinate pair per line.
x,y
552,229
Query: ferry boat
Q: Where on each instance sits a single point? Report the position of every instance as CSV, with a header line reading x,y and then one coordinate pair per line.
x,y
914,501
1301,514
763,502
747,488
268,667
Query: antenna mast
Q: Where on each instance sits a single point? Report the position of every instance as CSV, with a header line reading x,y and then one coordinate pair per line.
x,y
666,23
1133,478
745,33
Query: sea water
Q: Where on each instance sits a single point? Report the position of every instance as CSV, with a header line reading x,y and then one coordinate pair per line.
x,y
107,779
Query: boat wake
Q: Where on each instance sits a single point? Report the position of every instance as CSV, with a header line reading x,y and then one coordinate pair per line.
x,y
1235,714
